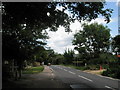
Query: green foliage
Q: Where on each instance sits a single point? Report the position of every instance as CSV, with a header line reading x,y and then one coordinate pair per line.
x,y
87,10
113,72
33,70
116,44
113,69
81,68
58,59
35,14
103,58
107,58
92,40
35,64
23,23
93,67
69,56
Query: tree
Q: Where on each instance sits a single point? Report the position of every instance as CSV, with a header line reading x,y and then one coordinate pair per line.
x,y
56,58
69,56
116,44
34,15
114,61
92,40
24,22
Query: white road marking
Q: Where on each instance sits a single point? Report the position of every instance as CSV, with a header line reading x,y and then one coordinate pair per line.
x,y
108,77
102,76
65,70
60,68
109,87
51,69
72,72
85,78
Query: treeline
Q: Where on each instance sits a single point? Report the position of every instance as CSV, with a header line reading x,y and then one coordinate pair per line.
x,y
94,45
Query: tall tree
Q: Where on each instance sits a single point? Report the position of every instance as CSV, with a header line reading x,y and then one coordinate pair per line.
x,y
58,59
24,22
116,44
92,40
69,56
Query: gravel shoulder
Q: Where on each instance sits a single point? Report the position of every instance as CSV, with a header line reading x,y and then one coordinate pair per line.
x,y
98,72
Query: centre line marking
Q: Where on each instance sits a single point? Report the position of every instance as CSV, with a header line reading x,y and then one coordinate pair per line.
x,y
72,72
85,78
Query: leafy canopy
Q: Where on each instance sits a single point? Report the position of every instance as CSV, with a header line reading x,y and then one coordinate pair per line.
x,y
23,22
116,44
92,40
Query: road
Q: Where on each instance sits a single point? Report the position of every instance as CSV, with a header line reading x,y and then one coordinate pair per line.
x,y
57,76
77,79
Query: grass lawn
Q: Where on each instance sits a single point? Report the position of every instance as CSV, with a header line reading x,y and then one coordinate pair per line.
x,y
33,70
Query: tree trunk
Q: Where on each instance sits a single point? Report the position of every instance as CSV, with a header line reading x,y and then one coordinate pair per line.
x,y
16,75
20,74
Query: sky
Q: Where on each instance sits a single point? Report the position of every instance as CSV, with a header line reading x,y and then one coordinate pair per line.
x,y
60,40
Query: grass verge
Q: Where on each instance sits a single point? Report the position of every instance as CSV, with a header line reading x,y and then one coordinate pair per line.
x,y
33,70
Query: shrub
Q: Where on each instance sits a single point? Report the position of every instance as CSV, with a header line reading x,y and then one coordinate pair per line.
x,y
93,67
112,72
35,64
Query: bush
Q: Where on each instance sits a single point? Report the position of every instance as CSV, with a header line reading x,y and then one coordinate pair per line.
x,y
105,66
93,67
82,68
107,58
35,64
112,72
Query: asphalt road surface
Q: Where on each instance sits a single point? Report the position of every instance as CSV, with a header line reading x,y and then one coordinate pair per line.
x,y
79,80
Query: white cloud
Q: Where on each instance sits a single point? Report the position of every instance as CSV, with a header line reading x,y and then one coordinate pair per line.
x,y
102,20
76,26
99,21
61,40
